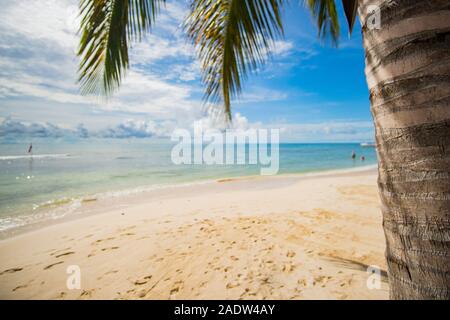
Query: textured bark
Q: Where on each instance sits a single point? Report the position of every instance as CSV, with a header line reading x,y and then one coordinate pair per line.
x,y
408,73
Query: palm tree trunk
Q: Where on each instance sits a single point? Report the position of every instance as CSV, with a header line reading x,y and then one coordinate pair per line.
x,y
408,74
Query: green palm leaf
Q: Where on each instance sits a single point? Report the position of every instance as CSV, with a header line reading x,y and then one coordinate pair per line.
x,y
350,9
107,26
233,37
326,15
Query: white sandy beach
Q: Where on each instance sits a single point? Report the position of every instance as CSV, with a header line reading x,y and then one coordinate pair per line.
x,y
286,237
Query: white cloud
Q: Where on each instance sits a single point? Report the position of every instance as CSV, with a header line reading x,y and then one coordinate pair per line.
x,y
38,70
215,121
38,42
282,47
50,21
259,94
130,128
10,128
155,48
135,129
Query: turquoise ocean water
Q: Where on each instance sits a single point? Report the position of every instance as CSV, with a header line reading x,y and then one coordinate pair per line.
x,y
61,173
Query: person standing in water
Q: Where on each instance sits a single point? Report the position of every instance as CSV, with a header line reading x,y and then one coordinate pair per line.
x,y
353,155
30,149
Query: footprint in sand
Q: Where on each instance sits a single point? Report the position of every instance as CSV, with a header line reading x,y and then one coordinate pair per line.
x,y
107,274
321,280
64,254
290,254
12,270
232,285
302,282
143,281
20,287
110,248
87,293
55,251
127,234
142,293
288,267
102,240
177,286
52,265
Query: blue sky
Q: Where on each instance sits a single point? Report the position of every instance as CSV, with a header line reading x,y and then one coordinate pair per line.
x,y
310,90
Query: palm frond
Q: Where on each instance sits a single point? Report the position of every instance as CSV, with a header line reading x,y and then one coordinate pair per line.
x,y
350,9
325,12
233,37
107,27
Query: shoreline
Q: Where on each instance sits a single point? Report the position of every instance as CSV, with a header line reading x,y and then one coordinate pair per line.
x,y
261,238
95,203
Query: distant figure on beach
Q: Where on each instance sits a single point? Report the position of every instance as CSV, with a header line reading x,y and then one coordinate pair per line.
x,y
30,148
353,155
363,158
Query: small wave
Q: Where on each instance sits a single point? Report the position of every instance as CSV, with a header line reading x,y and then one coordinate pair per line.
x,y
62,207
148,188
36,156
53,203
43,213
